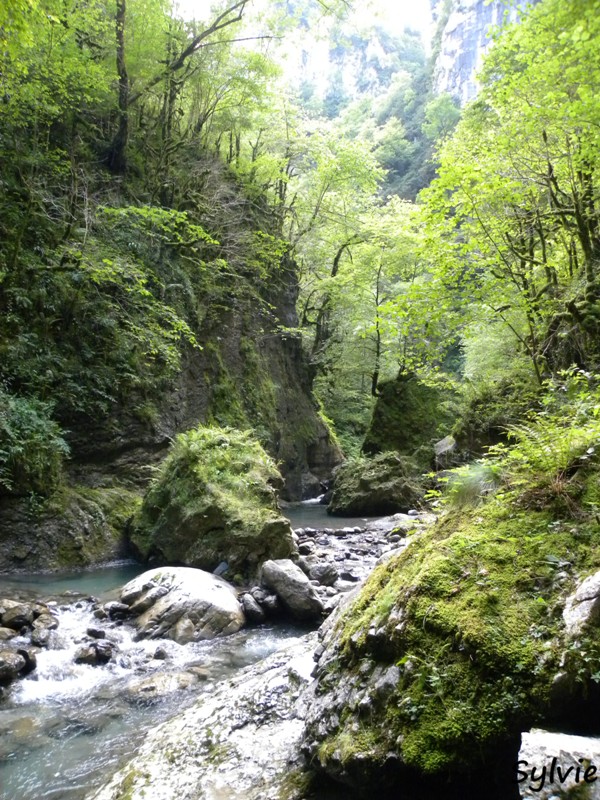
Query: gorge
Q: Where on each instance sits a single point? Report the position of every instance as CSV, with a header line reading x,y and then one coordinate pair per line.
x,y
233,293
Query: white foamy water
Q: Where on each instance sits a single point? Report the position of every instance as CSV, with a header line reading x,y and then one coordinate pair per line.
x,y
66,727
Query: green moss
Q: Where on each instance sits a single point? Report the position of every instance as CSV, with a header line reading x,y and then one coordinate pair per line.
x,y
362,740
384,484
127,787
468,613
409,417
213,500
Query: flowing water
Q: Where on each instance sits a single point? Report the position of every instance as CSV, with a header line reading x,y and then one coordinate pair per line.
x,y
66,727
312,514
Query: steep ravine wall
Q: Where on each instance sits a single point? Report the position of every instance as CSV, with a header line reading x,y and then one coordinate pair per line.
x,y
249,372
464,41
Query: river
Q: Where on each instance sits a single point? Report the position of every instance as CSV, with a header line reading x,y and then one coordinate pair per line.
x,y
66,727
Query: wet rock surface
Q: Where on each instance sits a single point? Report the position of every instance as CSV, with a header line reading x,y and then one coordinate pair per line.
x,y
582,609
241,741
292,587
183,604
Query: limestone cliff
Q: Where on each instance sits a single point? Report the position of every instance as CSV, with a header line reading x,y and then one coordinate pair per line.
x,y
466,26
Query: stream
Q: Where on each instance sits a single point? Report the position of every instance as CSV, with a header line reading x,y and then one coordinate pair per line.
x,y
66,727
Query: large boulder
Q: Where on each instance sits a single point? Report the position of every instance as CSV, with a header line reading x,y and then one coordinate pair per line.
x,y
182,604
240,740
292,587
385,484
409,416
214,500
459,643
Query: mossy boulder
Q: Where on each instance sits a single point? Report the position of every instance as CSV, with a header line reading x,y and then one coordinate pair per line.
x,y
454,647
214,500
384,484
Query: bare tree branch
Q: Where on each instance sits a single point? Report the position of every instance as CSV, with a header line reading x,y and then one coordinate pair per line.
x,y
230,16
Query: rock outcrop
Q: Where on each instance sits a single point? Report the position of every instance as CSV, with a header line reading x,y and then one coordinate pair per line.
x,y
77,528
464,41
239,741
183,604
385,484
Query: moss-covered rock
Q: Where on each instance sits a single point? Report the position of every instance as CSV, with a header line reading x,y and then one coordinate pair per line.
x,y
384,484
458,644
409,416
77,527
213,500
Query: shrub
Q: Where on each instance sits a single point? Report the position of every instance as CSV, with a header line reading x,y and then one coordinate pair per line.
x,y
32,448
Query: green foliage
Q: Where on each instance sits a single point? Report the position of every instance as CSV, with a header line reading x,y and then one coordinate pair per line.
x,y
90,329
488,408
550,453
548,456
32,448
470,484
509,219
441,117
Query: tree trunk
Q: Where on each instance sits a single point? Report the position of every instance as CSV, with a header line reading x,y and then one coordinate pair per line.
x,y
118,155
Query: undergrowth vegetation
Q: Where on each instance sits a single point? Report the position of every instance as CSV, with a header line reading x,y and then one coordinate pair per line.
x,y
546,454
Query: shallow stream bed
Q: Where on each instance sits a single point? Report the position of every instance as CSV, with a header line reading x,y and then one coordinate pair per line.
x,y
65,729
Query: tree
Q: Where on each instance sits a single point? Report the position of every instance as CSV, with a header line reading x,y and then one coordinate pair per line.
x,y
513,217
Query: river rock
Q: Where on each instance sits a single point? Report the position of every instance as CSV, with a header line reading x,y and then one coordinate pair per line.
x,y
326,574
252,610
240,741
541,749
196,605
94,654
214,503
116,610
155,688
47,621
6,634
40,637
292,587
96,633
11,665
583,607
17,617
29,654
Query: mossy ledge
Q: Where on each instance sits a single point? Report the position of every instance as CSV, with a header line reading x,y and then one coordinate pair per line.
x,y
454,647
77,527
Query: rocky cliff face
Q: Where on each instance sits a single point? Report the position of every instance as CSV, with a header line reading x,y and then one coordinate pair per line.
x,y
248,372
465,38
